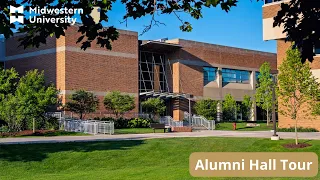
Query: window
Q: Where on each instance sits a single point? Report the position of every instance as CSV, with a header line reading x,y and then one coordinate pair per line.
x,y
235,76
257,77
209,74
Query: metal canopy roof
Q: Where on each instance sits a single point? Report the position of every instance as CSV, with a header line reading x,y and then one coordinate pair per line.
x,y
158,46
164,94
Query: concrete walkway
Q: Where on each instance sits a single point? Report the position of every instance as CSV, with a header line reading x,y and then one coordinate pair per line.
x,y
215,133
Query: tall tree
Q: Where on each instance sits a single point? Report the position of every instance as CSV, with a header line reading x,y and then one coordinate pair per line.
x,y
263,94
297,87
119,103
229,108
34,96
206,108
82,102
246,107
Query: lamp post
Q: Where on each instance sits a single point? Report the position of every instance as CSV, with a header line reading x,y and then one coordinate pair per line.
x,y
274,136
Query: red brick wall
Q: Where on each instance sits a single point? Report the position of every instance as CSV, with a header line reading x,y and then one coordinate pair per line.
x,y
304,118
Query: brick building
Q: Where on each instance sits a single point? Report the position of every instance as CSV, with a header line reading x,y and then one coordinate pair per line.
x,y
270,10
170,69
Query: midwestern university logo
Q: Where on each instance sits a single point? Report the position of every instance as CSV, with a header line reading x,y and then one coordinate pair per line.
x,y
40,15
16,14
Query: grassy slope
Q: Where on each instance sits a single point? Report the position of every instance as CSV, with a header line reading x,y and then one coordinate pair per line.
x,y
148,159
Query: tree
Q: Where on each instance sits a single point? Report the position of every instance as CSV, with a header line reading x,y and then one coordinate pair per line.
x,y
8,82
34,96
37,33
297,86
119,103
154,106
229,108
246,106
300,20
263,94
206,108
82,102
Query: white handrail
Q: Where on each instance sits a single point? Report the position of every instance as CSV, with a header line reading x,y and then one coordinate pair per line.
x,y
168,121
197,120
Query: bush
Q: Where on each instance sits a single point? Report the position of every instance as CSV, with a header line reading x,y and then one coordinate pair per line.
x,y
139,123
299,129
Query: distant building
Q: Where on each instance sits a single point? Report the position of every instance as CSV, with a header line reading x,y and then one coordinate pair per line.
x,y
170,69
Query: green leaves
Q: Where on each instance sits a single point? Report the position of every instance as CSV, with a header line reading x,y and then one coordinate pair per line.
x,y
154,106
229,108
82,102
207,108
37,33
119,103
25,100
297,86
264,89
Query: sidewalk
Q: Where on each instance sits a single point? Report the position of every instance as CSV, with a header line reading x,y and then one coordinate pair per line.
x,y
215,133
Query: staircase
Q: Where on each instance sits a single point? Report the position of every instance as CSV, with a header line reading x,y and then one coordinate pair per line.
x,y
199,122
168,121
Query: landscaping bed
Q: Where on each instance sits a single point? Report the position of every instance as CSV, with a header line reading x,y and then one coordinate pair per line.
x,y
44,133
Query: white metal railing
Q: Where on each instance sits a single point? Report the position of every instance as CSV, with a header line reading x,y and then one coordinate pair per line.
x,y
89,127
202,121
197,120
168,121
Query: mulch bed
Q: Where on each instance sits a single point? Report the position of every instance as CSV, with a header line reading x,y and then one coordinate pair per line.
x,y
294,146
26,133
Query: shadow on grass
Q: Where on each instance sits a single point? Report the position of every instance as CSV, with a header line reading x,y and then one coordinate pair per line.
x,y
245,128
39,152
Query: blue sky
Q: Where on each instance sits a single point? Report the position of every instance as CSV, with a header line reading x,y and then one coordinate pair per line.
x,y
241,27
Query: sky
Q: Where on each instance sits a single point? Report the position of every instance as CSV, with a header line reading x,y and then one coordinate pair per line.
x,y
241,27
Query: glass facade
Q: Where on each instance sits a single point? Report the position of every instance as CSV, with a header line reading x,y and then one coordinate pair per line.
x,y
209,74
152,71
235,76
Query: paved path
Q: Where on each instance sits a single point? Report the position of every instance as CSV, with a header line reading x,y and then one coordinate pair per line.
x,y
216,133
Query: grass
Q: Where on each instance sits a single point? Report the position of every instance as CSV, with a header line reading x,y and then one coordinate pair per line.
x,y
136,131
243,127
138,159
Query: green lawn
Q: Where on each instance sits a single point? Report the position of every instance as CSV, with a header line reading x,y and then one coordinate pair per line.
x,y
134,160
243,127
136,131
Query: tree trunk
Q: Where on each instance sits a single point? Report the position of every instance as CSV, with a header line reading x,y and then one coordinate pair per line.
x,y
34,126
81,116
268,119
295,128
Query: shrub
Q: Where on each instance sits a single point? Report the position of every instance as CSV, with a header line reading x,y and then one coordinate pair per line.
x,y
299,129
139,123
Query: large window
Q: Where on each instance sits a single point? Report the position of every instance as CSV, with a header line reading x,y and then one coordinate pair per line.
x,y
209,74
235,76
